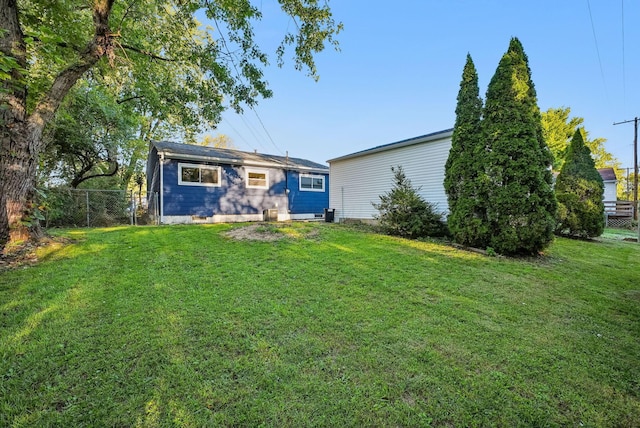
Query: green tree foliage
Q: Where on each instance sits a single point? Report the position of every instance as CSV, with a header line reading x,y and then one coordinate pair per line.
x,y
558,129
464,167
87,138
626,178
220,141
154,55
521,205
579,190
403,212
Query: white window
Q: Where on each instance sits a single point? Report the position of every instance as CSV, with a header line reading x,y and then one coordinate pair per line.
x,y
198,175
312,183
257,179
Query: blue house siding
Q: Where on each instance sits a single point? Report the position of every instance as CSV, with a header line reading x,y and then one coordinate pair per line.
x,y
302,202
229,198
232,197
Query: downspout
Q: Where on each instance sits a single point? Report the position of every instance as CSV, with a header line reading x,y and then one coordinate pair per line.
x,y
286,185
161,161
342,204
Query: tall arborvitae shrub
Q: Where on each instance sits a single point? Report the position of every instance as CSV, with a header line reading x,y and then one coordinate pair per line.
x,y
466,220
521,204
579,190
403,212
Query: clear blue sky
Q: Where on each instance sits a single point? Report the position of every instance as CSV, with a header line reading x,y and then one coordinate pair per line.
x,y
398,72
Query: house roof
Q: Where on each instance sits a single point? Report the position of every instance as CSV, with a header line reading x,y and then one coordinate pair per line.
x,y
402,143
234,157
608,174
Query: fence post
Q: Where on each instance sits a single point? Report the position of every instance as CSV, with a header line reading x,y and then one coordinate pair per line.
x,y
132,207
87,199
156,202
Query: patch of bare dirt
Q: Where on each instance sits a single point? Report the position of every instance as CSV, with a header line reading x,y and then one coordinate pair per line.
x,y
25,254
272,232
256,232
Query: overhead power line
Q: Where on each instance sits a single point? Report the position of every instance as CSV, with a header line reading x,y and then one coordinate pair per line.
x,y
239,77
595,39
267,132
624,73
248,145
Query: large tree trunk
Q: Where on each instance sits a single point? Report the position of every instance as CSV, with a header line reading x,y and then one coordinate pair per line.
x,y
18,171
21,138
14,153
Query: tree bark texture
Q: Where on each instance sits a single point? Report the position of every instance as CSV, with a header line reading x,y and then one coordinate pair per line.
x,y
21,137
14,150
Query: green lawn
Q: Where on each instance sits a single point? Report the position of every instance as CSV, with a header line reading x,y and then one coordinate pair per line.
x,y
329,326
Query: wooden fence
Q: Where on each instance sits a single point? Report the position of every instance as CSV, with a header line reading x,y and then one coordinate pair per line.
x,y
618,213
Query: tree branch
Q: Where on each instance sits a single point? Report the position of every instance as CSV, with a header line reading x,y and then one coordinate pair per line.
x,y
124,16
135,97
147,53
101,45
79,178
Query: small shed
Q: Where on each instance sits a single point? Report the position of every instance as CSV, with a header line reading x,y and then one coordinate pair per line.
x,y
195,184
610,183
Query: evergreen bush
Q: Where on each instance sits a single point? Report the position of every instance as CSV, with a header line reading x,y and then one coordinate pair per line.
x,y
520,200
464,167
579,190
403,212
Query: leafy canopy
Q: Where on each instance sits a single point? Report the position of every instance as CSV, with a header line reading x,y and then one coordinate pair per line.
x,y
87,139
558,130
160,53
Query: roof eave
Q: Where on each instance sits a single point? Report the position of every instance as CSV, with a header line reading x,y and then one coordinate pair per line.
x,y
392,146
243,162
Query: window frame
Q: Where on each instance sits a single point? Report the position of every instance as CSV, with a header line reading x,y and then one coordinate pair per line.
x,y
312,176
256,171
200,167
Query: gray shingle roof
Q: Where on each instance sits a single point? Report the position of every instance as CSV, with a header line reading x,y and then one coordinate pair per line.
x,y
607,174
236,157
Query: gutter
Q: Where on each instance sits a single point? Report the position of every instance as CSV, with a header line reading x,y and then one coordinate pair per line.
x,y
240,162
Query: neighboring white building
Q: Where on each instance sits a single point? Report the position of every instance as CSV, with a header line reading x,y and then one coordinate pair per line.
x,y
610,184
358,179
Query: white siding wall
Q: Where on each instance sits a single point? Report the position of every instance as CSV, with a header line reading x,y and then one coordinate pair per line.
x,y
357,182
610,193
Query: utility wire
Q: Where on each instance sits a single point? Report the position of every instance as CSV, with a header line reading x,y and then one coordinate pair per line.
x,y
595,39
248,145
239,77
624,72
252,130
267,132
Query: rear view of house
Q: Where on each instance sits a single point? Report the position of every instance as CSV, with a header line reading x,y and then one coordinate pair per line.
x,y
195,184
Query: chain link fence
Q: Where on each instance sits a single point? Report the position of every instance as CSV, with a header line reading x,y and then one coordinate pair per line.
x,y
65,207
153,208
144,208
